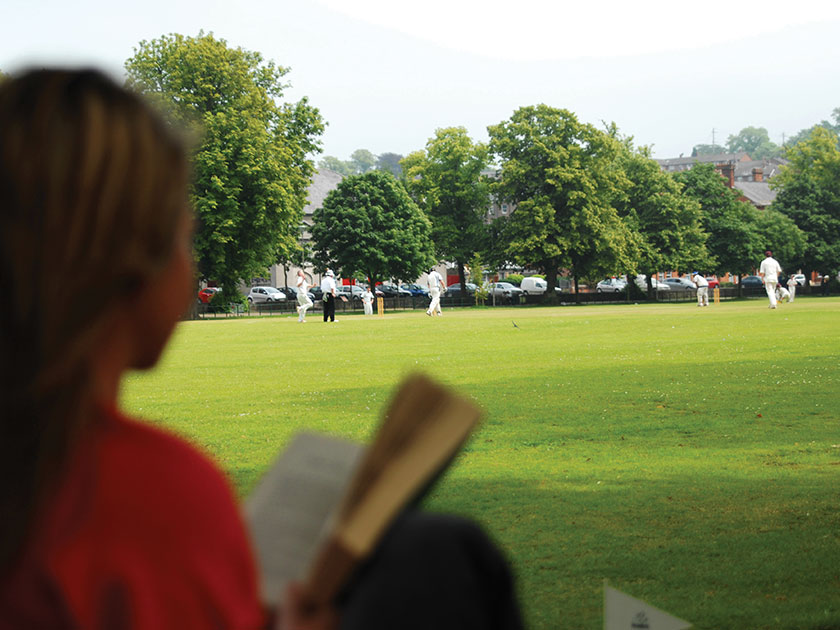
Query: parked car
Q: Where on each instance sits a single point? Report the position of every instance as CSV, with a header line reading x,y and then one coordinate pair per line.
x,y
641,282
207,293
713,282
534,285
454,289
415,289
350,291
259,295
505,291
390,290
291,293
680,284
752,282
611,285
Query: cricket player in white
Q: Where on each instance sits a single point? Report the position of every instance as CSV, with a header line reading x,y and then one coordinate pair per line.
x,y
702,289
302,298
436,287
782,294
769,272
367,301
792,288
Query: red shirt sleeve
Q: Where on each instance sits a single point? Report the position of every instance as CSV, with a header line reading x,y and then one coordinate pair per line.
x,y
146,534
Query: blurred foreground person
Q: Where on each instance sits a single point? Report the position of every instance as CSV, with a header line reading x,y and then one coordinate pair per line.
x,y
106,522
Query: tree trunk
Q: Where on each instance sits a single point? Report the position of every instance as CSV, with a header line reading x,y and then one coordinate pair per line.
x,y
462,278
577,289
550,282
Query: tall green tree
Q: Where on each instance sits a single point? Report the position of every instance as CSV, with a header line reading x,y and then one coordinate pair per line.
x,y
780,234
370,225
666,222
734,242
755,141
563,177
334,164
390,162
362,161
251,166
809,193
446,182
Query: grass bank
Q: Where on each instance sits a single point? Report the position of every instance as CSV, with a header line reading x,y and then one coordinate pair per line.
x,y
690,456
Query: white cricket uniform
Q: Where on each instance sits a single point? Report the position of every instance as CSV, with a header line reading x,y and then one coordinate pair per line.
x,y
435,287
782,294
792,288
303,300
702,290
769,271
367,302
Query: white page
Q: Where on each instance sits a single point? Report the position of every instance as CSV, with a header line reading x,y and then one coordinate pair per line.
x,y
622,612
290,506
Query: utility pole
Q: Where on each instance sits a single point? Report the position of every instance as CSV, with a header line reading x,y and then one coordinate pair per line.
x,y
713,136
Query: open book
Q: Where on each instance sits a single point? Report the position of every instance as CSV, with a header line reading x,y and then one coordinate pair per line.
x,y
325,503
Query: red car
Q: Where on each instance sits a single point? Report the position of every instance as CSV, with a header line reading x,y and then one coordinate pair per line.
x,y
206,294
713,282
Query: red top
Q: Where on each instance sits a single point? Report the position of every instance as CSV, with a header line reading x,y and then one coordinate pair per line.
x,y
144,533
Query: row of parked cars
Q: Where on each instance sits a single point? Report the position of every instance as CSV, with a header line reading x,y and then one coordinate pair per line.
x,y
268,294
504,291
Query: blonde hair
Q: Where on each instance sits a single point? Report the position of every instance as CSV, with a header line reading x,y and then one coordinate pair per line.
x,y
92,185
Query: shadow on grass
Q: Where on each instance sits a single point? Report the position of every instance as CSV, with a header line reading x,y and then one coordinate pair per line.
x,y
726,554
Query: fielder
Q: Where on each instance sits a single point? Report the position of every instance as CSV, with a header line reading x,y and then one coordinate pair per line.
x,y
367,301
792,288
769,272
436,287
303,300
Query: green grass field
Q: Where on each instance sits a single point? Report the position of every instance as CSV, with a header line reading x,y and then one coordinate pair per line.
x,y
691,457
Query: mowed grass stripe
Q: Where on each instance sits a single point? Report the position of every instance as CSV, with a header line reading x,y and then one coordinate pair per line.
x,y
689,455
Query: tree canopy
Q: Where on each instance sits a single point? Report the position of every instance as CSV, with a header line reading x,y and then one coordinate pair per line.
x,y
809,193
666,222
734,242
251,166
361,161
707,149
370,225
390,162
446,182
755,141
562,176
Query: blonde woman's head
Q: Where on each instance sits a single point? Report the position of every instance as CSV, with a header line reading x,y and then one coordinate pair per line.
x,y
92,209
92,186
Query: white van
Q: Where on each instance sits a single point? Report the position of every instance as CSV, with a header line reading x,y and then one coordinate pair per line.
x,y
533,285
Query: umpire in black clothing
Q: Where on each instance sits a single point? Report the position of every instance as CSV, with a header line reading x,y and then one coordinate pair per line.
x,y
328,289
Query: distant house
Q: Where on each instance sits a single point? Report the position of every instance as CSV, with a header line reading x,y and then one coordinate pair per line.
x,y
747,176
673,165
323,182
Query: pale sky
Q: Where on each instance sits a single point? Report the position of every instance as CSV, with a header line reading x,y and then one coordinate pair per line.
x,y
386,74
